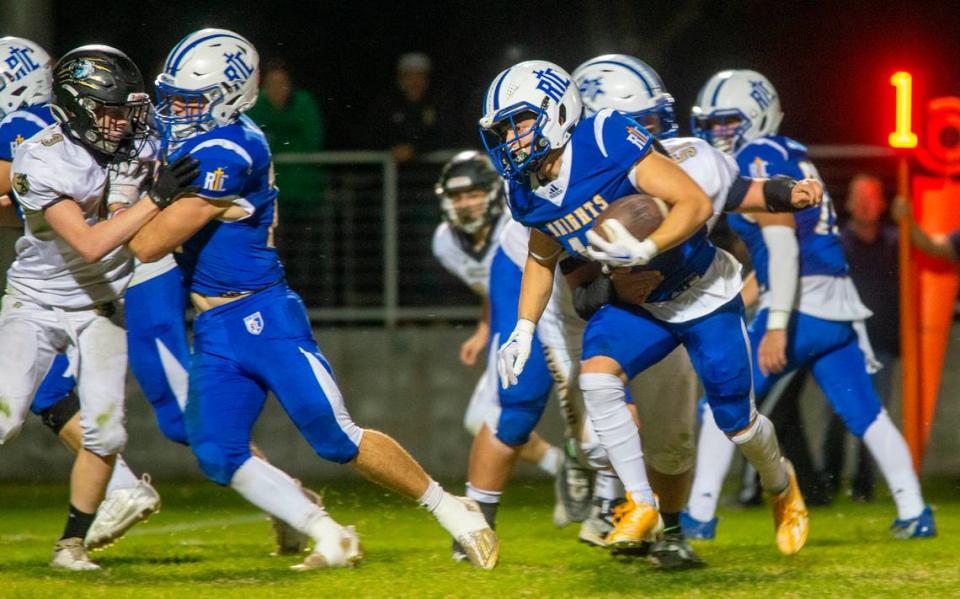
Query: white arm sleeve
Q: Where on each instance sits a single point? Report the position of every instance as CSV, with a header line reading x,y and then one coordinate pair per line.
x,y
783,270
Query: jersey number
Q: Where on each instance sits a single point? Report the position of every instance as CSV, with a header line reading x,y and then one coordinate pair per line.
x,y
827,224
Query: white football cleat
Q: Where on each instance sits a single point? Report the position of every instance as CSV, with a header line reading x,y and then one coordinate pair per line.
x,y
291,541
462,518
119,511
341,549
69,554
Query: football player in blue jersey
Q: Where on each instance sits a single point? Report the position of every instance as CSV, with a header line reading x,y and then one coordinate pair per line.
x,y
627,84
563,171
810,312
252,334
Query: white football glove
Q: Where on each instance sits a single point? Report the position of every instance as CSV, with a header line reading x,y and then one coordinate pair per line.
x,y
623,249
127,180
513,355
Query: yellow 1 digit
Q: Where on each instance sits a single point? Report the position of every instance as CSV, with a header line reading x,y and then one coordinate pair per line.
x,y
903,137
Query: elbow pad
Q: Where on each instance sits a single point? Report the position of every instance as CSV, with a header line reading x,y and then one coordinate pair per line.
x,y
776,193
737,192
590,297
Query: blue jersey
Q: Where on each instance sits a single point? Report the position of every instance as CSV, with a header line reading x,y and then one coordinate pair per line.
x,y
597,164
818,237
225,258
21,125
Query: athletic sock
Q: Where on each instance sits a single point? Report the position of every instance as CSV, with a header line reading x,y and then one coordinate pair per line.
x,y
607,486
78,523
488,501
432,497
892,455
759,445
122,477
551,461
604,396
714,454
671,522
276,493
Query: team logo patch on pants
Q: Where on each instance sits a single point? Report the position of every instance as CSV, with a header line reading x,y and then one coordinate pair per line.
x,y
254,323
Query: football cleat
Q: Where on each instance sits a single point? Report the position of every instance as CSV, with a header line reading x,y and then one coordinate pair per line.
x,y
342,550
633,523
920,527
672,552
594,530
291,541
69,554
698,529
465,522
119,511
790,516
572,487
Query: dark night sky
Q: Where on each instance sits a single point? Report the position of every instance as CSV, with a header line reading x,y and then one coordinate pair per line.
x,y
829,60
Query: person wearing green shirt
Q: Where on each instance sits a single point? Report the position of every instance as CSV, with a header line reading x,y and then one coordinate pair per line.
x,y
292,122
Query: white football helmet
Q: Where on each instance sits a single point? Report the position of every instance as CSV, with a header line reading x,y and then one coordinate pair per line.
x,y
26,75
628,85
735,107
538,89
209,79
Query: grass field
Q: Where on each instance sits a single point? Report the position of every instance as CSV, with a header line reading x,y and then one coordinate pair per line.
x,y
206,542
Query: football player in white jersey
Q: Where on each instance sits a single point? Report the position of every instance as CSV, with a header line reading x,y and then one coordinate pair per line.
x,y
24,111
71,267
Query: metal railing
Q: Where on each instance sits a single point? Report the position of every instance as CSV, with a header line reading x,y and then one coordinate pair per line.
x,y
345,276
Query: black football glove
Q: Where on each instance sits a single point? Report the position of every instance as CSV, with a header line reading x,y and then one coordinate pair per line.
x,y
173,181
590,297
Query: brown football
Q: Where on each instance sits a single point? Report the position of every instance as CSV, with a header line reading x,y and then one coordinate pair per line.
x,y
639,213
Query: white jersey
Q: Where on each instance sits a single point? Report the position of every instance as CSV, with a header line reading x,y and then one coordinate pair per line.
x,y
473,268
48,168
715,172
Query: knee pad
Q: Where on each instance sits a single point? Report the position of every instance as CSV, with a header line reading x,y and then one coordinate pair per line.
x,y
107,440
516,424
673,460
594,455
59,414
732,413
217,464
858,423
339,451
173,427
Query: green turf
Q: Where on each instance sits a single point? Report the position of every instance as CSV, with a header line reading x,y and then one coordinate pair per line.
x,y
207,543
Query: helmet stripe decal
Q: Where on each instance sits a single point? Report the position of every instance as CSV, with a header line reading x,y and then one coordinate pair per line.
x,y
496,91
716,92
630,68
174,66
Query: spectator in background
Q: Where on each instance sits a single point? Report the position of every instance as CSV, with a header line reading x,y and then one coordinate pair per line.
x,y
409,115
292,122
870,245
